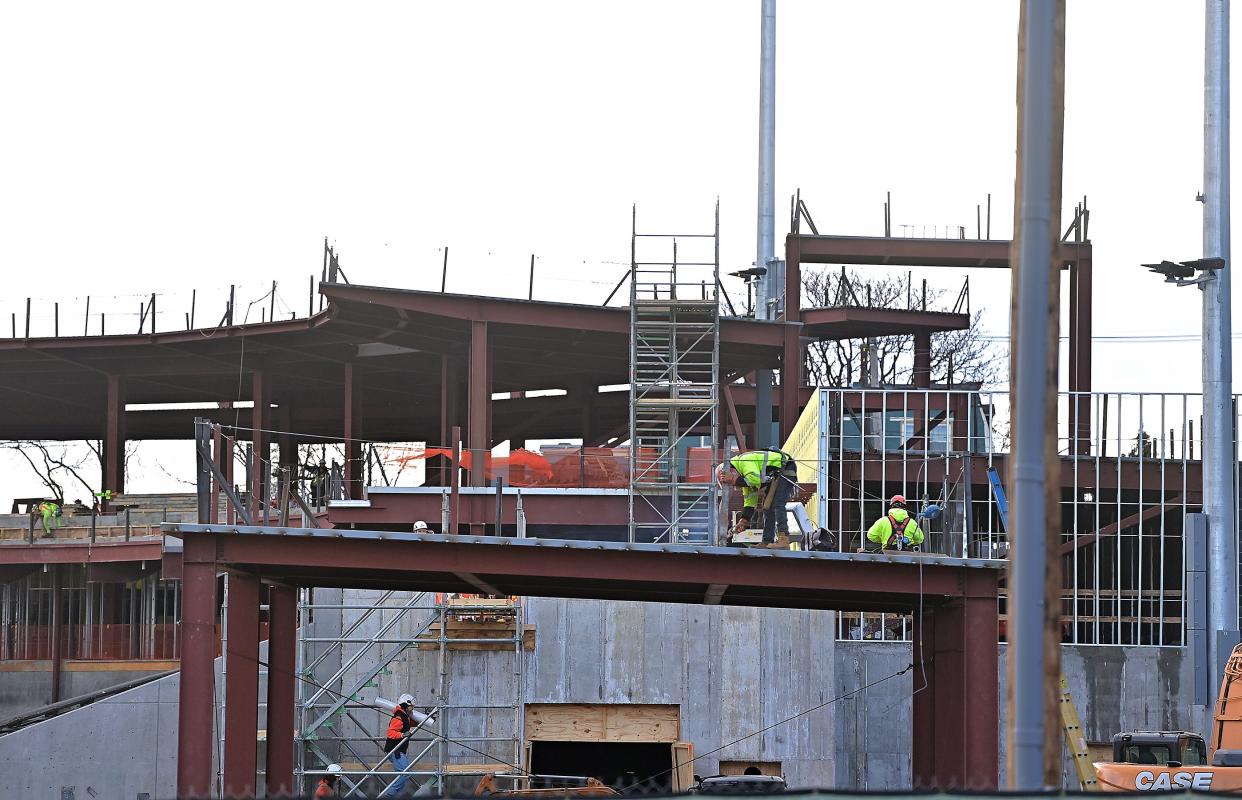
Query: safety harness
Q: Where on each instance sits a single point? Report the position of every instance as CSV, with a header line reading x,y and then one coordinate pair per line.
x,y
899,528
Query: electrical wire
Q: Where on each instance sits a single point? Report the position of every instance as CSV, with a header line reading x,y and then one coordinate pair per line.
x,y
766,728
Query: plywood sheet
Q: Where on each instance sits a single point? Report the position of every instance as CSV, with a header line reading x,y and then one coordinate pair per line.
x,y
600,722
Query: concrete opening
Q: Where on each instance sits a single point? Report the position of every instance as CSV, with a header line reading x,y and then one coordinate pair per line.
x,y
643,767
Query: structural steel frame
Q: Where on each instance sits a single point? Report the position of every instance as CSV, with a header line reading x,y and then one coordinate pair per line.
x,y
957,708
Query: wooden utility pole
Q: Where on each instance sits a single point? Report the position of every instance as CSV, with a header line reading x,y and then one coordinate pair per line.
x,y
1047,94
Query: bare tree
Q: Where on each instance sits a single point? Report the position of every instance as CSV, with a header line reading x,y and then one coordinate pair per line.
x,y
55,464
963,356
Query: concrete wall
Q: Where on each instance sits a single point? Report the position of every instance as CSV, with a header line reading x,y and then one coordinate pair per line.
x,y
732,671
1114,688
31,688
115,749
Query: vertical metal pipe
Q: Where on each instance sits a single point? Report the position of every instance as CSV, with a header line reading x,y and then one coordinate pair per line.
x,y
1039,159
765,238
1218,450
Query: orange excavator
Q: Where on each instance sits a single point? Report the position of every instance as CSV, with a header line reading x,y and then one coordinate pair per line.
x,y
1176,760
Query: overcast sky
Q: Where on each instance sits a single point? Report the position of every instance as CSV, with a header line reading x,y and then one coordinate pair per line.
x,y
156,147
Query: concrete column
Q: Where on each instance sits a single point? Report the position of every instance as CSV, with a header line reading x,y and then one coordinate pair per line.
x,y
281,677
241,686
196,710
114,436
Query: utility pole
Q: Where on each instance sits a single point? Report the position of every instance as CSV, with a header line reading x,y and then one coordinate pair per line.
x,y
767,287
1034,657
1219,456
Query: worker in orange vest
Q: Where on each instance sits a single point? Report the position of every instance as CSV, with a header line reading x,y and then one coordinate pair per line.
x,y
327,784
396,743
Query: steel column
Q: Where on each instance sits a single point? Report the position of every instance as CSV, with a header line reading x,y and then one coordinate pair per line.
x,y
259,440
791,381
56,630
241,686
922,360
1219,455
353,446
196,709
281,677
114,438
479,417
765,248
1080,351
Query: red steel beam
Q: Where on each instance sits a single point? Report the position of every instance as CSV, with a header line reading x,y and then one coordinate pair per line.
x,y
81,551
360,559
281,677
195,742
241,686
850,322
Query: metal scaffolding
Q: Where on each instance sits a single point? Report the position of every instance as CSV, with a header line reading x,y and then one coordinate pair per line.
x,y
343,672
674,385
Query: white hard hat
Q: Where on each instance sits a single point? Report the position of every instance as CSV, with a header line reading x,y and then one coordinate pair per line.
x,y
405,699
420,526
334,768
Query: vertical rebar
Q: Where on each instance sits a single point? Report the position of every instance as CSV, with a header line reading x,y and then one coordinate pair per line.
x,y
1217,432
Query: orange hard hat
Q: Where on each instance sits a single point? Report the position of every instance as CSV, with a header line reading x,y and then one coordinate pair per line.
x,y
898,500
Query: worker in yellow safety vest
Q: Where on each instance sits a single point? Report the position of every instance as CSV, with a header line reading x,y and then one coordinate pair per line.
x,y
49,510
896,530
756,473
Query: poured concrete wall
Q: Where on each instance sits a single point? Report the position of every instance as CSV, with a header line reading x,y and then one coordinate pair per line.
x,y
1114,689
30,688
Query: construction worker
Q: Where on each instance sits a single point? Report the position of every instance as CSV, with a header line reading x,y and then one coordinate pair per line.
x,y
327,784
771,475
896,530
396,743
49,511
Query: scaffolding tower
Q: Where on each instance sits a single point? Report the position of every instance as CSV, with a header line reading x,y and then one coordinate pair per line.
x,y
468,732
674,384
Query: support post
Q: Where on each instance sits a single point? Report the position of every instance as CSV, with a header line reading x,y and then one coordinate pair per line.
x,y
1080,351
241,687
955,702
1034,664
114,440
455,483
922,361
1219,454
196,709
353,446
765,228
56,631
259,438
281,677
479,421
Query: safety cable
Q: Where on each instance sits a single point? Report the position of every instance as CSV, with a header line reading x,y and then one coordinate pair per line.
x,y
766,728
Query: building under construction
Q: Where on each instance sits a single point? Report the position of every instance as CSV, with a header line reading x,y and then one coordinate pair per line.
x,y
506,509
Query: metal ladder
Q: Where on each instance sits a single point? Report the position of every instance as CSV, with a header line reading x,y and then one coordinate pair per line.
x,y
674,386
1076,741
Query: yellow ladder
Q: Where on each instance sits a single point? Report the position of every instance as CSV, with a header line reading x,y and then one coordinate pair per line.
x,y
1076,741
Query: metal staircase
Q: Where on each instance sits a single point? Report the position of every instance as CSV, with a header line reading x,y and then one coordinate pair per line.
x,y
674,385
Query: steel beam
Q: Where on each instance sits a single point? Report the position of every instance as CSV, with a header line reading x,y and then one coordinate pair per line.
x,y
241,686
196,709
281,677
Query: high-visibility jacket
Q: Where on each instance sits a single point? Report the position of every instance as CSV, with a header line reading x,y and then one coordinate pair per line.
x,y
882,531
398,726
753,466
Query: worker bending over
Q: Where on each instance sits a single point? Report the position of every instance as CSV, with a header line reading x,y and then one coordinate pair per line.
x,y
49,510
896,530
760,473
396,743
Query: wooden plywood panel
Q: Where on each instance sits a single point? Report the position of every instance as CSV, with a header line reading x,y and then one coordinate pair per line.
x,y
598,722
